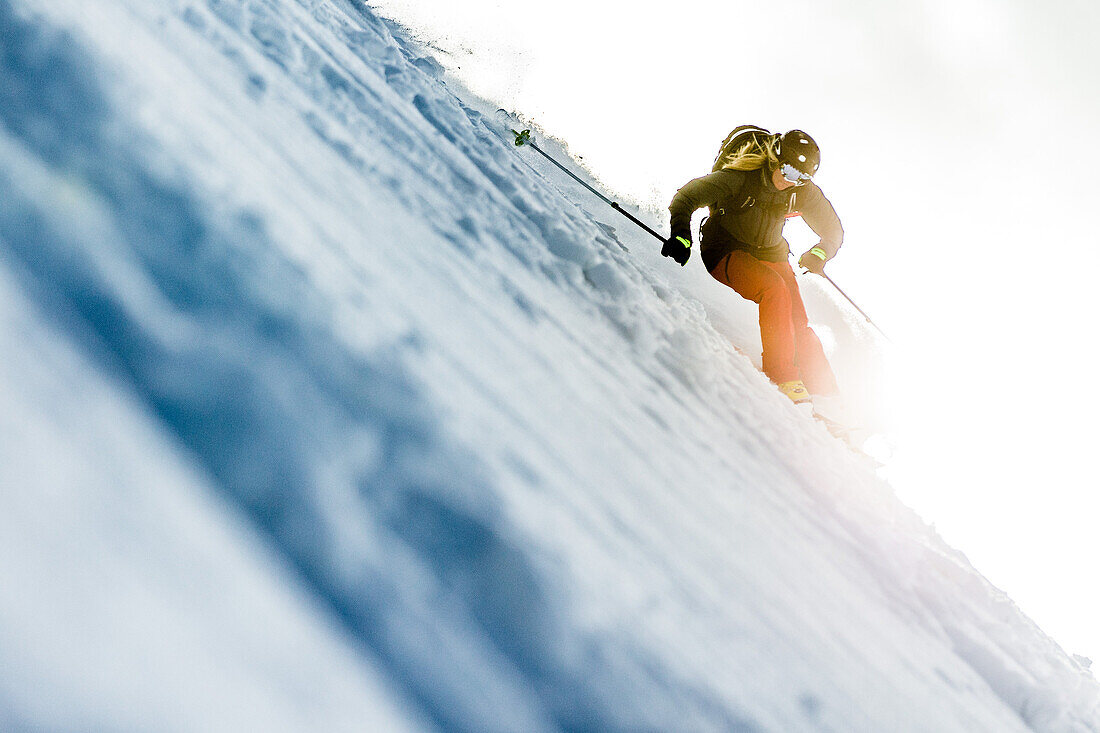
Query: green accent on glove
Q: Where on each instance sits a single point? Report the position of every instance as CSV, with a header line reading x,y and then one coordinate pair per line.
x,y
819,252
685,242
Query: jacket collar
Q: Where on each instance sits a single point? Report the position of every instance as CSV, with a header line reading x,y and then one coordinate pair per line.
x,y
766,180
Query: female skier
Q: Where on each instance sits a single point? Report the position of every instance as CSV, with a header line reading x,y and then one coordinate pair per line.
x,y
762,180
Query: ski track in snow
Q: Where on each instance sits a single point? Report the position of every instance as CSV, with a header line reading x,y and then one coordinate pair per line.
x,y
347,404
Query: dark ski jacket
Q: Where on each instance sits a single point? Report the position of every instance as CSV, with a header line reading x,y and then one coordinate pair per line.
x,y
747,212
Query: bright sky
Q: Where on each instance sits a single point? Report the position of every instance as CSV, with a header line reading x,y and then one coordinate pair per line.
x,y
961,144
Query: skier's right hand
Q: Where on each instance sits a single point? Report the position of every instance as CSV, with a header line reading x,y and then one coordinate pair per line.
x,y
678,247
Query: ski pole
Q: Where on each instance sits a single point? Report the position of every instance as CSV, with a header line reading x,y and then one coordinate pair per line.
x,y
855,306
524,138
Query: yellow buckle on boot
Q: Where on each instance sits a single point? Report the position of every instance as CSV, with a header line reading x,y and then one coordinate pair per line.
x,y
796,391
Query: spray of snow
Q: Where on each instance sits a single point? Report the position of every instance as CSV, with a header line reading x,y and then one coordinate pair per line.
x,y
330,409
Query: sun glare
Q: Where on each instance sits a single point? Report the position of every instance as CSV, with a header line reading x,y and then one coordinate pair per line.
x,y
950,243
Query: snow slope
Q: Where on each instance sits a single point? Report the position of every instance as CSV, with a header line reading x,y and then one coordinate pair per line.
x,y
325,408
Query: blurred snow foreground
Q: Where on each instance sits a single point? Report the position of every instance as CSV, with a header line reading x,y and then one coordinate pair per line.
x,y
325,408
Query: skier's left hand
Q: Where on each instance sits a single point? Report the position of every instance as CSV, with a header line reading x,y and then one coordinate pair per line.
x,y
813,260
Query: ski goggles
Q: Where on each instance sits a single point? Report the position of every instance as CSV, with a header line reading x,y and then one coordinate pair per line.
x,y
793,175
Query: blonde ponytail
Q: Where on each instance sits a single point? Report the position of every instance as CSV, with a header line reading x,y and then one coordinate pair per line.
x,y
753,155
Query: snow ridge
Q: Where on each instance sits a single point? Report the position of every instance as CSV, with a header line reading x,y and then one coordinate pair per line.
x,y
443,407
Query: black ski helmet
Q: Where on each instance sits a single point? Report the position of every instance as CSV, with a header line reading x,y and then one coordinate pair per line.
x,y
800,150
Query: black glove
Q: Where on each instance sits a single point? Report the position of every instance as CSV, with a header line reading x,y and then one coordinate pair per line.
x,y
814,261
678,247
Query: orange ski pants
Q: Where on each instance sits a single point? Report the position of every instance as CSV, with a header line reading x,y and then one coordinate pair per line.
x,y
791,348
